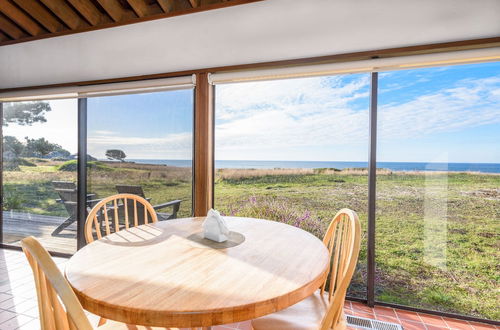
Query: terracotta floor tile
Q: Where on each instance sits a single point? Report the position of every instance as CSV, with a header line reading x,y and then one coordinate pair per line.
x,y
358,307
432,320
385,311
408,315
480,326
348,311
458,324
411,325
365,315
387,318
433,327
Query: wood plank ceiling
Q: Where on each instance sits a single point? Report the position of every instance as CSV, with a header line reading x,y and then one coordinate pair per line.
x,y
26,20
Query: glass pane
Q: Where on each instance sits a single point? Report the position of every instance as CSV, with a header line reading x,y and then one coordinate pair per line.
x,y
142,144
39,173
294,151
438,197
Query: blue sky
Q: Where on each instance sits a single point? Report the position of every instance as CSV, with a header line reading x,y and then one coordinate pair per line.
x,y
449,114
436,114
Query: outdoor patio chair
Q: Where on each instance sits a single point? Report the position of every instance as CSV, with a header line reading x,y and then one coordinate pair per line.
x,y
68,196
137,190
324,310
110,215
58,305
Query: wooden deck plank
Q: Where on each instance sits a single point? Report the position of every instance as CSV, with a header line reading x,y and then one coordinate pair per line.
x,y
17,225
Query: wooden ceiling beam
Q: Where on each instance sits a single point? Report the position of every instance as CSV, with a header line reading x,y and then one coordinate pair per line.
x,y
115,10
90,12
3,37
20,18
11,29
140,7
166,5
62,10
194,3
40,14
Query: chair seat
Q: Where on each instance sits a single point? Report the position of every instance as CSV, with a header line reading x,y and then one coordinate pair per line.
x,y
305,315
112,325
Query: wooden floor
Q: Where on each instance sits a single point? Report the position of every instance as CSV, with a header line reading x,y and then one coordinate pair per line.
x,y
17,225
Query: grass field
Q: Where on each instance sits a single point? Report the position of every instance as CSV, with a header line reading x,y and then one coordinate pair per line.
x,y
410,205
466,282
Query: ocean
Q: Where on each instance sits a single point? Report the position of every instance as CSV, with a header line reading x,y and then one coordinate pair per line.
x,y
394,166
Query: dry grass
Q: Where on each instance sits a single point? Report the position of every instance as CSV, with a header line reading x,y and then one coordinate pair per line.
x,y
125,172
236,174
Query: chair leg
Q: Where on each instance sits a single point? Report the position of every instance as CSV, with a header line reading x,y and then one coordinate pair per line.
x,y
63,225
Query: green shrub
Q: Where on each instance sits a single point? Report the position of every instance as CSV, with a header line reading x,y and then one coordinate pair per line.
x,y
12,201
72,166
25,162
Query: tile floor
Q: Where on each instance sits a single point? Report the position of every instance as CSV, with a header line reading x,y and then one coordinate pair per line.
x,y
18,304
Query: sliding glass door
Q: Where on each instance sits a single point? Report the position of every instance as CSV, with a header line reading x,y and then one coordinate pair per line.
x,y
142,144
39,173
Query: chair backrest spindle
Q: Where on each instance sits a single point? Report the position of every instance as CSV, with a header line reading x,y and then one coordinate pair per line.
x,y
118,210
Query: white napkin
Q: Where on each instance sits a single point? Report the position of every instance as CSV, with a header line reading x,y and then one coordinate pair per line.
x,y
214,227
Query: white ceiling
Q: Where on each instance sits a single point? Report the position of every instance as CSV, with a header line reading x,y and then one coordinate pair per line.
x,y
258,32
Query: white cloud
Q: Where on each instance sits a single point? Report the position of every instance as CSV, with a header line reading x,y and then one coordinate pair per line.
x,y
277,119
171,146
470,103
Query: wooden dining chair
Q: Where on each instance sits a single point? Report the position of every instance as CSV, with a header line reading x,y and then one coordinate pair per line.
x,y
59,308
324,309
118,212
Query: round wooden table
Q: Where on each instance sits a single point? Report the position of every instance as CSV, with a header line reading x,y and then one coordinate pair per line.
x,y
164,275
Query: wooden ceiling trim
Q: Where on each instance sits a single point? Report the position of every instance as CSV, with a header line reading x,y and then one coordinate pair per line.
x,y
40,14
62,10
90,12
10,29
20,18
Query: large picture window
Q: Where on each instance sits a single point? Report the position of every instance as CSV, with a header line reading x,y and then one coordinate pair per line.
x,y
39,173
438,198
294,151
143,144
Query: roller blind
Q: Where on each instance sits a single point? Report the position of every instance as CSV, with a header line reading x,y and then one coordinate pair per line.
x,y
142,86
373,65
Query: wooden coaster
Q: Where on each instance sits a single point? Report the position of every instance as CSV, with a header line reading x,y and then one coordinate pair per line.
x,y
233,240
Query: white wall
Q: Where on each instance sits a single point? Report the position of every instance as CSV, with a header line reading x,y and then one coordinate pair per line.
x,y
257,32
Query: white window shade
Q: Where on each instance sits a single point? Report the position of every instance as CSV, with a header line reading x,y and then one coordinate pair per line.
x,y
373,65
142,86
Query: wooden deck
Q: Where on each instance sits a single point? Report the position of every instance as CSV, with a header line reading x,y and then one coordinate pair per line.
x,y
17,225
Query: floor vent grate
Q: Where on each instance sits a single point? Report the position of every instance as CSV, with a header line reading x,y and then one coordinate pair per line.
x,y
361,322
